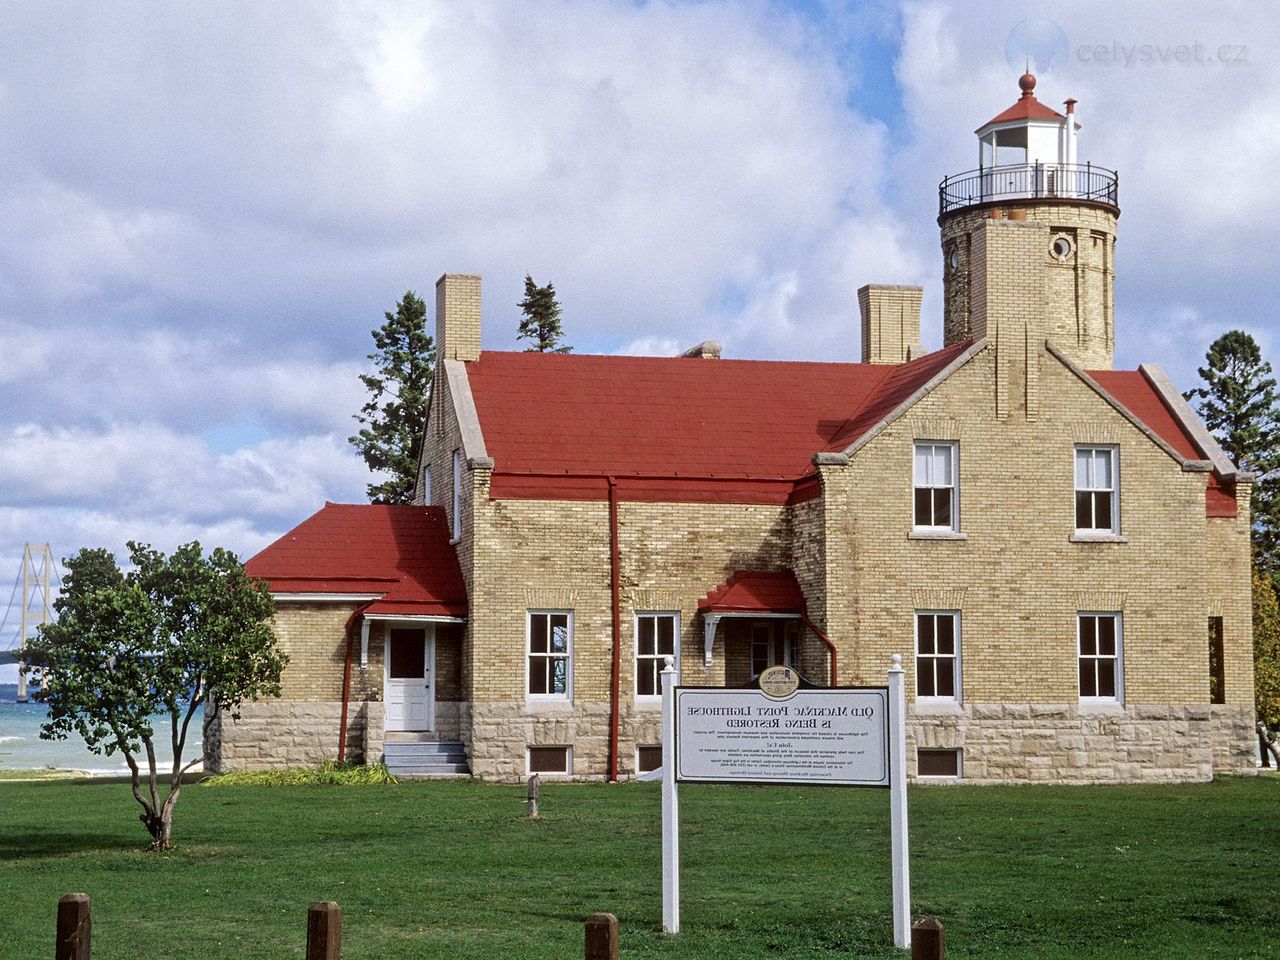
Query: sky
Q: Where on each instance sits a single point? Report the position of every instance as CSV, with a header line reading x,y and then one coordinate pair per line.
x,y
206,208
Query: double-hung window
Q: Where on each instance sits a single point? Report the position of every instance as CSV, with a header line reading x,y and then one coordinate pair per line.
x,y
1101,659
550,654
937,655
1097,502
657,637
935,486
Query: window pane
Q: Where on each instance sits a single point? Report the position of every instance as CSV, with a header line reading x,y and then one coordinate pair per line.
x,y
946,634
1106,678
922,466
1102,511
538,633
1082,469
1101,470
667,636
942,507
408,654
1088,636
1088,686
1107,636
925,632
645,682
559,633
924,513
548,759
645,639
946,678
648,758
925,686
941,475
538,675
560,674
1084,510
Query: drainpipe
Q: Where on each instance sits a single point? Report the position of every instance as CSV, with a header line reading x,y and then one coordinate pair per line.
x,y
825,639
615,679
346,679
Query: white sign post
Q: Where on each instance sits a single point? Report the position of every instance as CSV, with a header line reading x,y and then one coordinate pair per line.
x,y
670,805
853,736
898,804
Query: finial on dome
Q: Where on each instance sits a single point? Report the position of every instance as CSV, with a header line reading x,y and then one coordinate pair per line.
x,y
1027,83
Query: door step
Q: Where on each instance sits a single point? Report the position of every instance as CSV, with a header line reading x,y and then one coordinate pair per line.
x,y
426,758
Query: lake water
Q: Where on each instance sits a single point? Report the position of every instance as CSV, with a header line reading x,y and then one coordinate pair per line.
x,y
22,749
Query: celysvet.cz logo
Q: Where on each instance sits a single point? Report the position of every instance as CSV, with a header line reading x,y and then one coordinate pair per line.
x,y
1042,45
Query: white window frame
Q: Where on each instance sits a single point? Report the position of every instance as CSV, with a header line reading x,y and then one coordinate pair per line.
x,y
955,658
790,642
1113,455
568,760
457,495
650,659
1118,657
567,655
919,483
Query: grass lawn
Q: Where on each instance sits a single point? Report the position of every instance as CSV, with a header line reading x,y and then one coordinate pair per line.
x,y
451,870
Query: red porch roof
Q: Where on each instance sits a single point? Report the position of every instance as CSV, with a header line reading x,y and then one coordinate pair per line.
x,y
749,591
400,554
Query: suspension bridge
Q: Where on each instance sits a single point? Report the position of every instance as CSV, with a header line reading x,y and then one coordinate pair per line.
x,y
37,579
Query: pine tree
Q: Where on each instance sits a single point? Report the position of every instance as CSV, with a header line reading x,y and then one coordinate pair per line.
x,y
541,322
1238,402
1266,661
394,417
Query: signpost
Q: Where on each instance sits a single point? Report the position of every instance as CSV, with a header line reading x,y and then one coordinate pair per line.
x,y
848,736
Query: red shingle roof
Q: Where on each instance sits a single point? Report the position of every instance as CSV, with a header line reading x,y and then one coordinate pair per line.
x,y
400,553
1026,107
756,592
676,427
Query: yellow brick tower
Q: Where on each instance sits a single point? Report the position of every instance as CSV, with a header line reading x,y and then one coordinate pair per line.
x,y
1031,220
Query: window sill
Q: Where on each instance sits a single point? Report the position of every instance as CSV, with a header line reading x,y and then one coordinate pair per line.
x,y
548,705
1079,537
937,535
648,704
1102,706
938,707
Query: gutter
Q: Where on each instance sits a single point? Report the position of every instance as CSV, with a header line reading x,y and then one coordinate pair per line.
x,y
615,679
346,680
804,618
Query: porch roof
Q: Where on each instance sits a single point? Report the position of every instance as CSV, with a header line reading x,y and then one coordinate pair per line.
x,y
400,554
756,591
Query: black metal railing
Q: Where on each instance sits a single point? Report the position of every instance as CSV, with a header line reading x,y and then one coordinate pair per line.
x,y
1023,181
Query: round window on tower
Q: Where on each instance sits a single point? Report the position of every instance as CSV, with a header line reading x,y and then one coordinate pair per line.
x,y
1061,247
953,259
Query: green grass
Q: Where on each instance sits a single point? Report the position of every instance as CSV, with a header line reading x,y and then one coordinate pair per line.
x,y
453,870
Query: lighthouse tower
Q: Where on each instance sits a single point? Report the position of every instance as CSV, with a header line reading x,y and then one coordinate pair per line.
x,y
1028,238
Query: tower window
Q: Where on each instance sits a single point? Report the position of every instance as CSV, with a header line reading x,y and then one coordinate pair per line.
x,y
1062,247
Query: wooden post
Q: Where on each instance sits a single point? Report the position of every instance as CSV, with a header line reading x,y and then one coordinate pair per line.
x,y
534,784
74,927
926,939
324,931
602,937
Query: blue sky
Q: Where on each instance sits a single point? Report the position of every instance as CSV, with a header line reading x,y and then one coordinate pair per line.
x,y
204,209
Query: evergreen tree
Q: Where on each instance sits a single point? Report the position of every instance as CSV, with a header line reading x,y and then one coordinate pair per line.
x,y
394,417
541,322
1238,402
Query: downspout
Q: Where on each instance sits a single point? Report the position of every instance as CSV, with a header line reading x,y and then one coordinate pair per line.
x,y
615,678
804,617
346,679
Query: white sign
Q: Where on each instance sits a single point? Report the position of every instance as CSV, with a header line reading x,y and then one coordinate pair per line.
x,y
825,736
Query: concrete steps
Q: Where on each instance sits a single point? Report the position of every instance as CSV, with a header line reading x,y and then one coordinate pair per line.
x,y
426,758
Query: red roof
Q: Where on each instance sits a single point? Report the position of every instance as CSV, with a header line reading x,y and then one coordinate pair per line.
x,y
676,428
1136,394
401,554
756,592
1027,107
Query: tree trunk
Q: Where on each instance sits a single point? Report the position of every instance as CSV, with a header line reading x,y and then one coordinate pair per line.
x,y
1270,745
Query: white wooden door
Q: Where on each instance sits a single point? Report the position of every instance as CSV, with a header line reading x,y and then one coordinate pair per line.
x,y
409,685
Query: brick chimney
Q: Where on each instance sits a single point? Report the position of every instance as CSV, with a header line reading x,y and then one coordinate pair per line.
x,y
890,322
458,316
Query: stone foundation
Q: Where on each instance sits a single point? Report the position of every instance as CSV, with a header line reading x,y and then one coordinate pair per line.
x,y
1062,743
274,734
1235,738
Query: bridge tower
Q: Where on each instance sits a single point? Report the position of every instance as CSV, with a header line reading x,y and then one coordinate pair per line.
x,y
35,579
